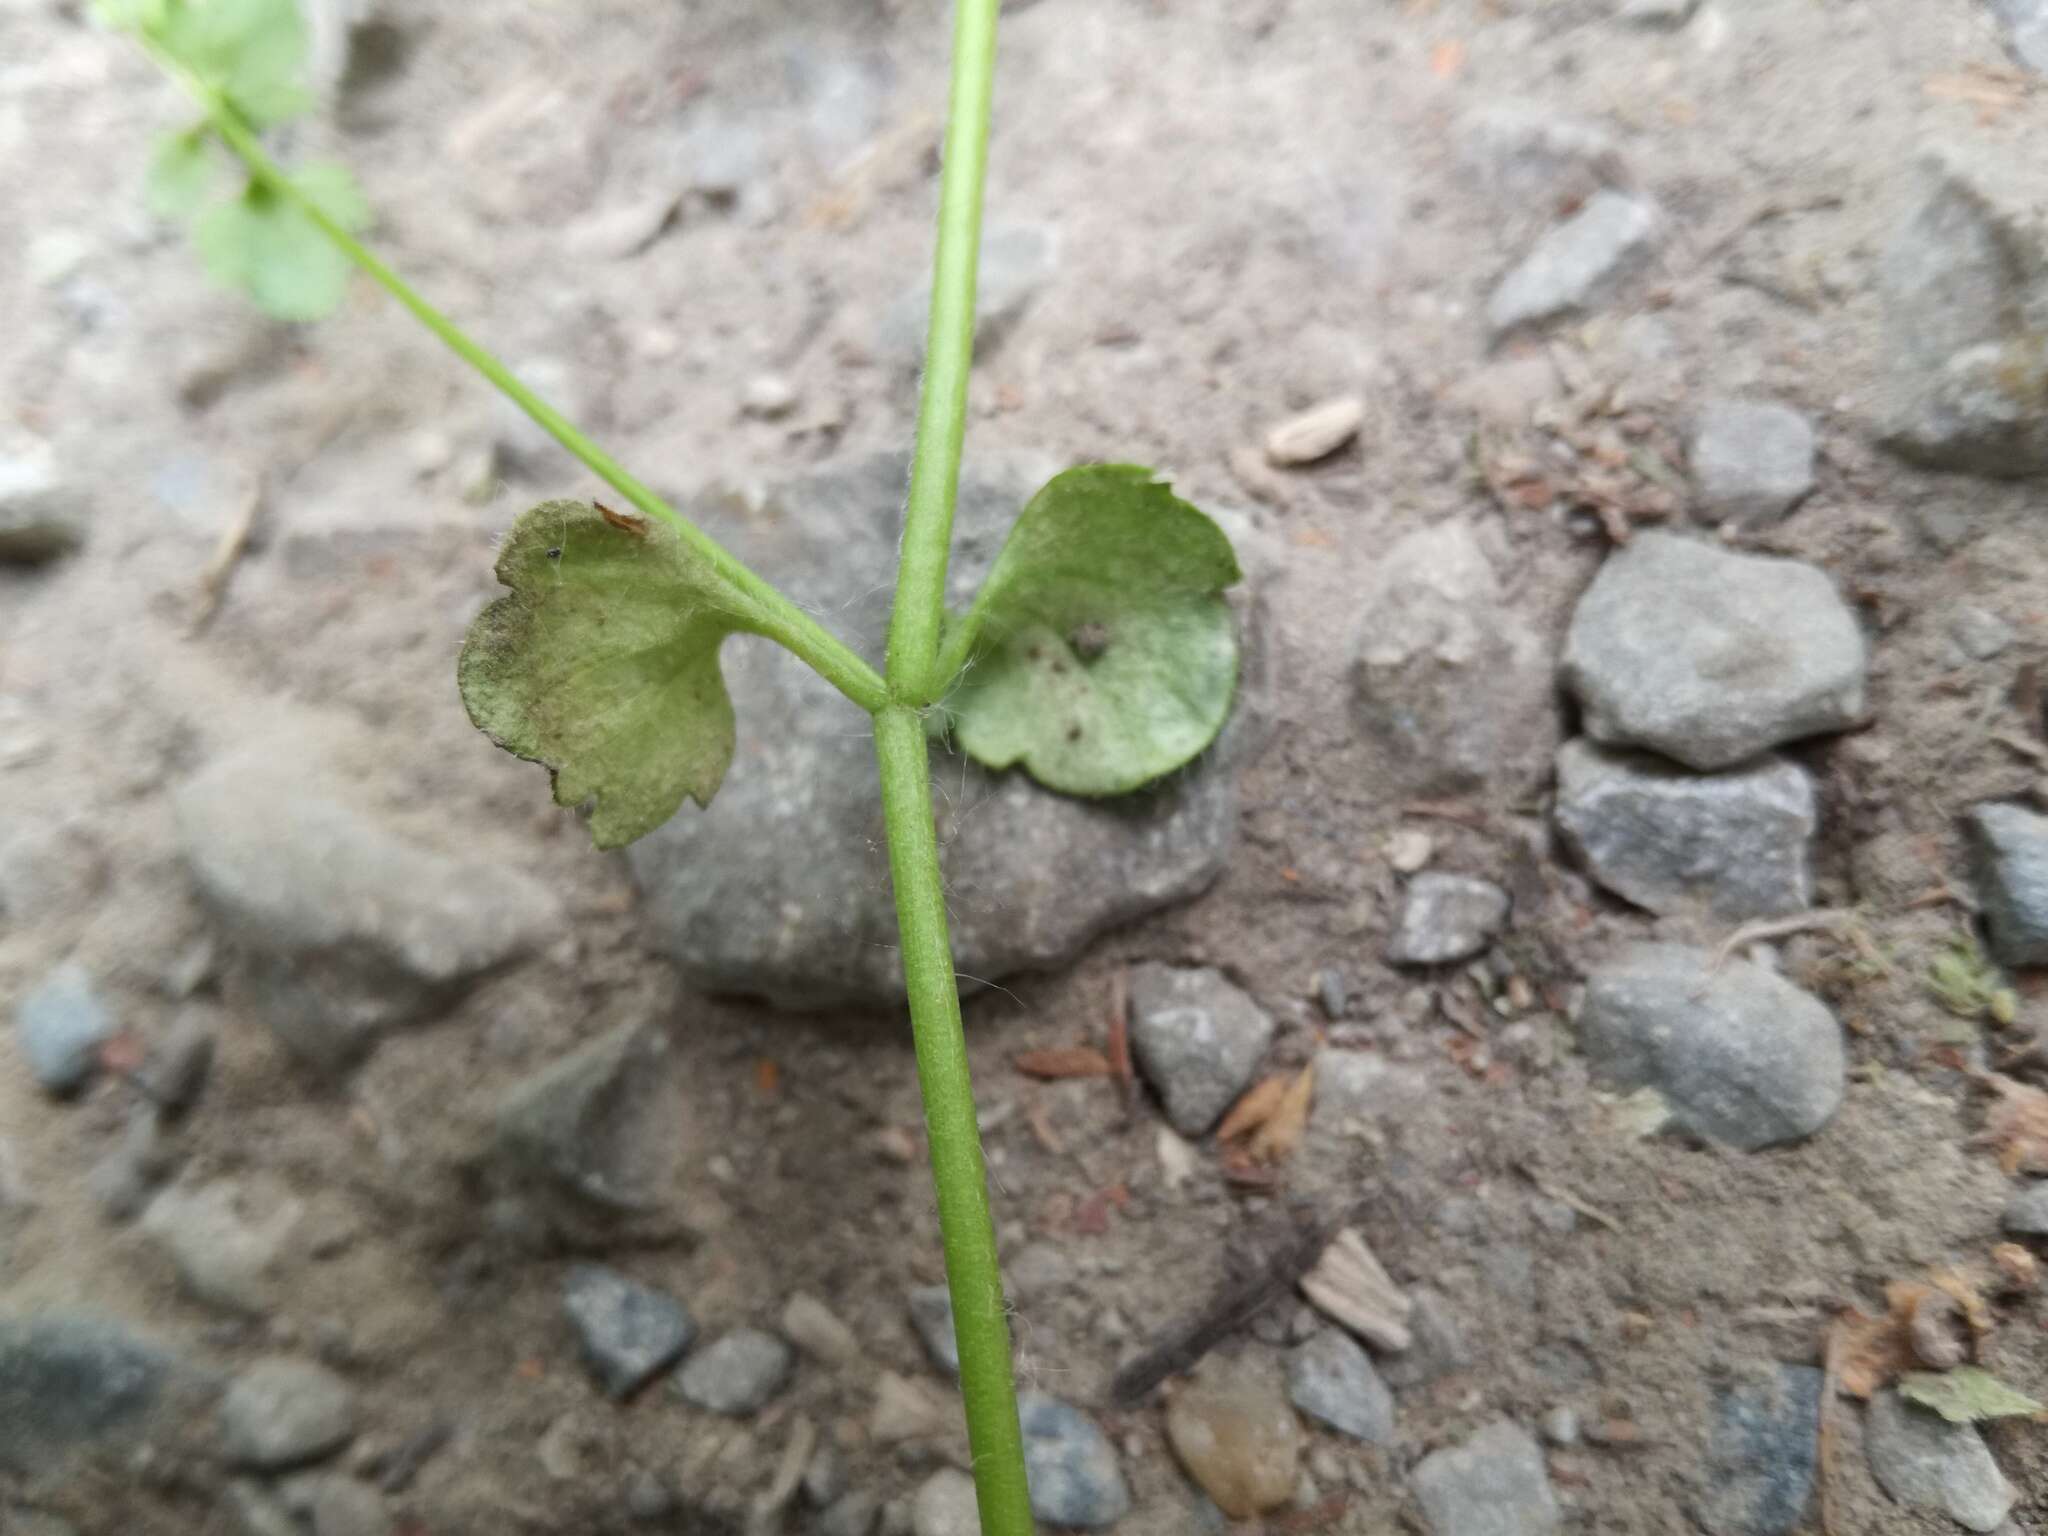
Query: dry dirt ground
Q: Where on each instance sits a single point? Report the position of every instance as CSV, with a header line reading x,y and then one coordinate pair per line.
x,y
1256,204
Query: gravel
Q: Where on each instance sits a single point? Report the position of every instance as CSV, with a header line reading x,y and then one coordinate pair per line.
x,y
1495,1484
2010,847
630,1332
1577,264
284,1413
931,1314
1070,1466
1709,656
1742,1056
346,925
1198,1039
2026,1213
1925,1462
1752,460
1762,1454
1451,688
736,1373
1331,1379
60,1026
68,1378
1736,844
1447,918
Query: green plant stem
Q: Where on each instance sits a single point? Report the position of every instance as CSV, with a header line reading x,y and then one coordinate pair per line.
x,y
979,1324
778,617
919,615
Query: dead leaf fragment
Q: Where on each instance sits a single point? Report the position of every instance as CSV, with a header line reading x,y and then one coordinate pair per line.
x,y
1064,1061
1254,1109
2017,1125
1351,1287
1281,1134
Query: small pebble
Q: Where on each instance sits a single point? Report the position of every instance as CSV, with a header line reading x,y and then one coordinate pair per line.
x,y
1315,433
1447,918
737,1373
1409,850
931,1313
60,1026
648,1499
1561,1426
1070,1465
1236,1436
768,396
851,1514
630,1332
945,1506
283,1413
817,1330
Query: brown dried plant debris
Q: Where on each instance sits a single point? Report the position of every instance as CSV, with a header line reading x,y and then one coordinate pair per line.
x,y
2016,1126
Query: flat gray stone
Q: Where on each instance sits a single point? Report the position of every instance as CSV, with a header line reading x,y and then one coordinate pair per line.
x,y
1737,843
2010,848
1495,1484
2026,1213
1447,918
1964,290
60,1027
1198,1040
1752,460
1741,1055
1070,1466
931,1314
284,1413
1925,1462
630,1332
1331,1379
2026,30
1577,263
67,1379
1762,1455
600,1125
1451,688
345,925
781,888
737,1372
1437,1348
1709,656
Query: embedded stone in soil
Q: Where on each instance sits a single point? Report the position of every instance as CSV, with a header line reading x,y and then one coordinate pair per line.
x,y
1198,1039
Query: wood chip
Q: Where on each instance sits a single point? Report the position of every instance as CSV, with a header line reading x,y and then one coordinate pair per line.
x,y
1350,1286
1064,1061
1254,1109
1275,1140
1316,433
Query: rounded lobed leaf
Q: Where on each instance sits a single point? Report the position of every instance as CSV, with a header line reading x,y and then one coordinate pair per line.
x,y
1107,655
252,50
181,173
268,247
601,663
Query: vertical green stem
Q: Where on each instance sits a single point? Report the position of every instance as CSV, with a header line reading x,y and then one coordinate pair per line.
x,y
972,1275
915,621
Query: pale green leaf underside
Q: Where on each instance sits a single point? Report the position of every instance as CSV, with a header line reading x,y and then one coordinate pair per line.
x,y
1966,1394
601,663
254,50
269,248
181,173
1107,656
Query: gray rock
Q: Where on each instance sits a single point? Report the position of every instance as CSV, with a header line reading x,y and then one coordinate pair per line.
x,y
945,1506
931,1314
825,1477
1017,260
1709,656
256,1511
2010,847
1451,689
2026,1213
1070,1466
2026,30
1752,460
335,1505
600,1125
1198,1040
630,1332
1330,1378
1979,633
67,1379
283,1412
1437,1348
1925,1462
1577,263
226,1242
1736,843
346,925
41,518
60,1027
851,1514
1740,1055
1964,288
1447,918
1530,158
737,1372
1761,1455
50,872
781,888
1495,1484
